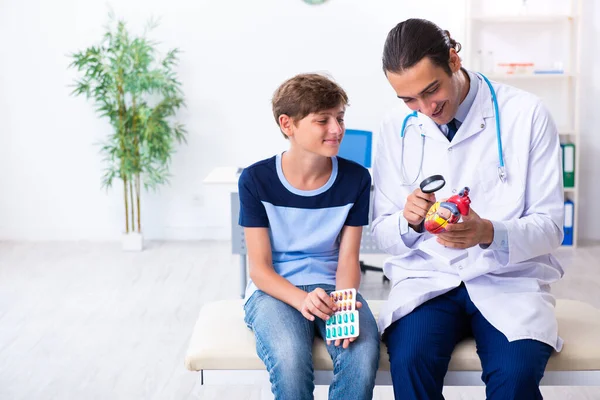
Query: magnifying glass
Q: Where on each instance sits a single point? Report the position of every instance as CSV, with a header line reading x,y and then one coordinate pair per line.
x,y
432,184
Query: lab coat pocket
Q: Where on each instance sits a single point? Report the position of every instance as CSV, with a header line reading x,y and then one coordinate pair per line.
x,y
497,199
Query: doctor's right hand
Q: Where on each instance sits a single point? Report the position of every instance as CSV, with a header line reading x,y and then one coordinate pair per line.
x,y
416,207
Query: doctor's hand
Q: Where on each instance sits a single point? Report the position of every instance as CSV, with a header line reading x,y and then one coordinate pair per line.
x,y
416,207
473,230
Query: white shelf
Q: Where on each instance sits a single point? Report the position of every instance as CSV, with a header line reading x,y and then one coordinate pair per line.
x,y
524,18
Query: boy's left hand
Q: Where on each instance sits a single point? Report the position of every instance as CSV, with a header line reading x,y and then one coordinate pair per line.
x,y
345,342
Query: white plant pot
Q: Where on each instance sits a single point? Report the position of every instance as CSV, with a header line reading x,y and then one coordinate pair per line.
x,y
132,241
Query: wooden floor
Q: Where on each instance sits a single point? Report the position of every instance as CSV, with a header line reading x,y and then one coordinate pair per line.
x,y
88,321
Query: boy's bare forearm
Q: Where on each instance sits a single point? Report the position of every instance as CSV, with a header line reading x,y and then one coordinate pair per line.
x,y
273,284
348,275
348,270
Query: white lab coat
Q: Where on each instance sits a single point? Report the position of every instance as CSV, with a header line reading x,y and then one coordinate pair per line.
x,y
510,288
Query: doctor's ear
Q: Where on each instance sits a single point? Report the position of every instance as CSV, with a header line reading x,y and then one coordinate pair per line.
x,y
454,61
286,124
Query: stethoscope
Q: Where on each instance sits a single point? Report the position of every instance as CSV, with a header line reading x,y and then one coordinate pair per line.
x,y
501,170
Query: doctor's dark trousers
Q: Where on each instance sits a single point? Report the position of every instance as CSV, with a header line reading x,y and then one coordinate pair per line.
x,y
420,345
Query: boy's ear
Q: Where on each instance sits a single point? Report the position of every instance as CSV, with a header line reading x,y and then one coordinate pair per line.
x,y
286,123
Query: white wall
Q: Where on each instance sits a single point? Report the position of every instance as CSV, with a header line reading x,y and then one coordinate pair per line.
x,y
236,52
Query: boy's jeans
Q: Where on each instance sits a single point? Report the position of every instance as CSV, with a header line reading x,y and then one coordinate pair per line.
x,y
284,340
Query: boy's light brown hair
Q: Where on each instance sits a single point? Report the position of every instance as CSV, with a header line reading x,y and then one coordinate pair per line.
x,y
305,94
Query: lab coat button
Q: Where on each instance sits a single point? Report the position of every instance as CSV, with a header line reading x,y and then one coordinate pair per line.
x,y
460,267
482,126
449,148
453,190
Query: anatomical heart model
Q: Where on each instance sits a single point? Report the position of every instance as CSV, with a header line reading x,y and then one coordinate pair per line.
x,y
447,212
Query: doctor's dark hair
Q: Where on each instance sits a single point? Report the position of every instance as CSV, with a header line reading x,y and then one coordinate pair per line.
x,y
305,94
414,39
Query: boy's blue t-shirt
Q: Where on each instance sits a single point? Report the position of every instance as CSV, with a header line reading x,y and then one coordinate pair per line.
x,y
304,226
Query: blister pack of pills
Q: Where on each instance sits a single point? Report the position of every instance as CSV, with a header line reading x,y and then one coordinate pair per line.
x,y
344,322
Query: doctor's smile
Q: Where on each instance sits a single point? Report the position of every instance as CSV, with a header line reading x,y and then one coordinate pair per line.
x,y
438,113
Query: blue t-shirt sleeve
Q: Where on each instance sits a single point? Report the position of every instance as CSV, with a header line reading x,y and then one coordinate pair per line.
x,y
359,213
252,211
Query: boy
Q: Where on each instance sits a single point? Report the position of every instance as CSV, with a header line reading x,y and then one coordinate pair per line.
x,y
303,213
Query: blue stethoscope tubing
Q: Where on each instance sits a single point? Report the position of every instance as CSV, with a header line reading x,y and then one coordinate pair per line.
x,y
501,170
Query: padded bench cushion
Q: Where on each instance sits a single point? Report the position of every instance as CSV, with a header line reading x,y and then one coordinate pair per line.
x,y
222,341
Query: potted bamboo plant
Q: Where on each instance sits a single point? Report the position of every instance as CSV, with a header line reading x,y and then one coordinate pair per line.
x,y
139,94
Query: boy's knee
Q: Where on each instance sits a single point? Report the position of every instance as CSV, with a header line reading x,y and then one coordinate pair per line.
x,y
363,352
292,368
289,356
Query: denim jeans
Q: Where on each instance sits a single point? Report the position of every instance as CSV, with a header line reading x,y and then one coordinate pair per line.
x,y
284,340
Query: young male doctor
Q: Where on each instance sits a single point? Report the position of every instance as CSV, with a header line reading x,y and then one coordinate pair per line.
x,y
502,143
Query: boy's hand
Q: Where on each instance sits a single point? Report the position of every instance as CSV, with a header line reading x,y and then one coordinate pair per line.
x,y
317,304
346,342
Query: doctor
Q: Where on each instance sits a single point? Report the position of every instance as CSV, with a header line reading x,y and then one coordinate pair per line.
x,y
502,143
